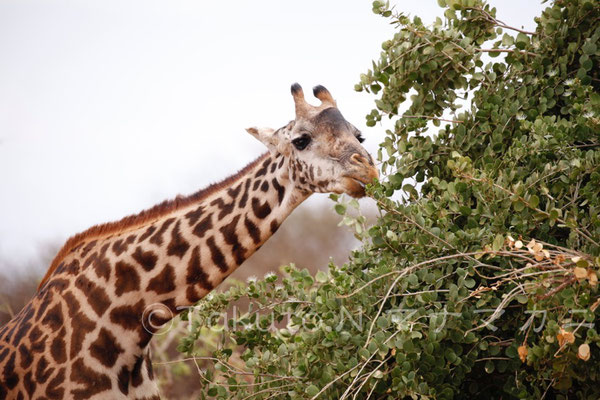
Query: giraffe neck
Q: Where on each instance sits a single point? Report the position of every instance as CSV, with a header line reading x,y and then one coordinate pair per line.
x,y
109,294
180,257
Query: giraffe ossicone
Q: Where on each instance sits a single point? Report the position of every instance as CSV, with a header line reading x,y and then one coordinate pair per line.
x,y
85,333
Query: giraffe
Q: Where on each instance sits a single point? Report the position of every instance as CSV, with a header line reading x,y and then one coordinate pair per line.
x,y
85,334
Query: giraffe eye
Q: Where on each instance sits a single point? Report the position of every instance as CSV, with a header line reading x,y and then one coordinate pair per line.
x,y
301,142
360,138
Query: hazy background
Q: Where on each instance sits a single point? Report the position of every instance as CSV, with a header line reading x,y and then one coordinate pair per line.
x,y
107,107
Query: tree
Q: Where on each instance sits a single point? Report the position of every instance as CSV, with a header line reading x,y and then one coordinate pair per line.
x,y
482,280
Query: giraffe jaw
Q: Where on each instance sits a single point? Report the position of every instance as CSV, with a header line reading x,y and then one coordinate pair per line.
x,y
353,186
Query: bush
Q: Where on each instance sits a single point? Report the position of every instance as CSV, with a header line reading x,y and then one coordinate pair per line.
x,y
480,279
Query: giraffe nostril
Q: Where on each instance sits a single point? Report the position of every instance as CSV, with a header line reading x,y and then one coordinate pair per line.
x,y
359,159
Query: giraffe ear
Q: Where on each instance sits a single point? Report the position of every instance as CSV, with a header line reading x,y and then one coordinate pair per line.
x,y
269,138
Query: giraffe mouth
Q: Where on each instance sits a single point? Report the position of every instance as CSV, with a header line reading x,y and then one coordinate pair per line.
x,y
354,187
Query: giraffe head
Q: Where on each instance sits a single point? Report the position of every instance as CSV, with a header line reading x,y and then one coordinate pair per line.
x,y
323,150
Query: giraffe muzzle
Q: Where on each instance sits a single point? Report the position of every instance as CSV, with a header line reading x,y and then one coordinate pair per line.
x,y
363,173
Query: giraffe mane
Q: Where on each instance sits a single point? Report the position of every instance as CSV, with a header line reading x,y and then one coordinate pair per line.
x,y
135,220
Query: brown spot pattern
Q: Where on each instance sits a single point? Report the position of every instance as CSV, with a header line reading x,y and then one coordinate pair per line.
x,y
58,347
157,238
93,382
105,348
129,317
231,238
252,230
203,226
178,245
96,296
216,255
128,278
54,391
195,273
194,215
261,211
147,259
163,282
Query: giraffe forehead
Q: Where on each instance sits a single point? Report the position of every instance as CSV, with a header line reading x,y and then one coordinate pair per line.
x,y
330,120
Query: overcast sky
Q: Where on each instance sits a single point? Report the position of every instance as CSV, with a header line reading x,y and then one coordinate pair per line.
x,y
107,107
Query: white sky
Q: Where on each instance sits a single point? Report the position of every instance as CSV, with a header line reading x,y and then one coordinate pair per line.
x,y
107,107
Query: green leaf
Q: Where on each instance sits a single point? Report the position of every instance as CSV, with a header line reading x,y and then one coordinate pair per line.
x,y
312,390
498,242
321,277
534,201
340,209
507,40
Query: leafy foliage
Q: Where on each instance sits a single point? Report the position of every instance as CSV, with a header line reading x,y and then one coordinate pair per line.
x,y
481,280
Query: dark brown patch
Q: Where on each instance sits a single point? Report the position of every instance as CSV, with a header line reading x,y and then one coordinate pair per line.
x,y
273,167
157,238
123,380
163,282
54,317
147,233
34,335
72,304
274,226
105,348
261,211
128,278
231,238
80,330
96,296
233,192
265,186
23,325
281,162
195,273
45,299
25,356
178,245
252,230
9,377
57,284
256,184
147,259
244,198
58,347
43,372
101,264
94,382
263,169
149,369
194,215
71,268
191,294
280,190
129,317
203,226
120,246
88,247
226,208
136,372
216,255
54,390
29,384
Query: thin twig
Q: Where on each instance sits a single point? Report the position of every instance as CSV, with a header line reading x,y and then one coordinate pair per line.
x,y
507,51
435,118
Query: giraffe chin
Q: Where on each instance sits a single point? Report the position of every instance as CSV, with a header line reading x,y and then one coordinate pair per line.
x,y
353,187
